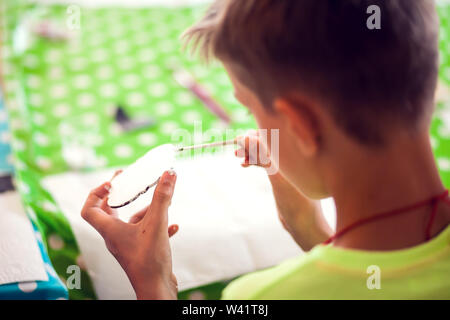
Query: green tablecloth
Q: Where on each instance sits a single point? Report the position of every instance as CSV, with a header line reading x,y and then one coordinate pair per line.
x,y
62,93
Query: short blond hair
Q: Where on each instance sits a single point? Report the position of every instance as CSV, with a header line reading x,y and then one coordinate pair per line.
x,y
325,49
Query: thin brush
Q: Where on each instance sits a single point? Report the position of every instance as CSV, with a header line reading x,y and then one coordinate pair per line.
x,y
208,145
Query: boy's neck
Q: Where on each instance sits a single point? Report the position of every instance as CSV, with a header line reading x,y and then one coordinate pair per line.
x,y
383,180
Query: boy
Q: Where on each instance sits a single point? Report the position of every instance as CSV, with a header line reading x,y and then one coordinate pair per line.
x,y
353,105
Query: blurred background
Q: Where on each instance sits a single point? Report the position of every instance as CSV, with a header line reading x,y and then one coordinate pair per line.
x,y
92,85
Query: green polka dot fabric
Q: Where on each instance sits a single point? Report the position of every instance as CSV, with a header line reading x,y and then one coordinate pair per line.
x,y
62,94
65,94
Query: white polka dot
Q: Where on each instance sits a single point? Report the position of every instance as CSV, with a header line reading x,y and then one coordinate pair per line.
x,y
230,98
444,131
90,119
115,129
23,187
130,81
31,61
61,110
82,81
163,108
157,89
85,100
39,119
210,88
41,139
33,81
190,117
116,31
35,99
123,151
20,165
120,47
96,39
43,162
200,71
18,144
99,55
53,56
55,242
77,63
135,99
55,73
196,295
151,72
240,116
147,139
167,46
141,39
434,143
105,72
184,98
444,164
108,90
49,206
27,287
444,115
126,63
58,91
146,55
223,80
169,127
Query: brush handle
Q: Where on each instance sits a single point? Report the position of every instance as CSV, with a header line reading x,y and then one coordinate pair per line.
x,y
208,145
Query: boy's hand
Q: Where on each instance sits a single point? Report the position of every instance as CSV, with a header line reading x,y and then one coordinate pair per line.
x,y
299,215
252,150
142,245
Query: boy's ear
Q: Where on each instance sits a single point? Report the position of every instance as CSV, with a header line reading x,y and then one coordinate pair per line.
x,y
302,122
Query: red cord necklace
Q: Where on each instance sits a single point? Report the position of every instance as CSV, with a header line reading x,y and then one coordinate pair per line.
x,y
434,201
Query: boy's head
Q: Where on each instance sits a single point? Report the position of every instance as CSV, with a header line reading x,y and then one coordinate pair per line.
x,y
316,71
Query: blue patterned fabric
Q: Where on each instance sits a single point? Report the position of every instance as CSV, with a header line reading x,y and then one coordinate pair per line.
x,y
5,150
53,289
38,290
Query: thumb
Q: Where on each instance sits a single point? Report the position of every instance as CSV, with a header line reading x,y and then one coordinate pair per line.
x,y
162,197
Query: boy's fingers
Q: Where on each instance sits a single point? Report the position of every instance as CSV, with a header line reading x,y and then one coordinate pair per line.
x,y
105,207
97,195
97,218
173,229
101,191
162,197
240,153
139,215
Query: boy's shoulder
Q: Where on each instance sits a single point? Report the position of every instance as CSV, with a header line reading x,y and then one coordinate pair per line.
x,y
327,272
260,284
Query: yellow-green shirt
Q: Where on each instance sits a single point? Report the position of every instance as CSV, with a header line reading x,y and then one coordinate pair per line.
x,y
328,272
